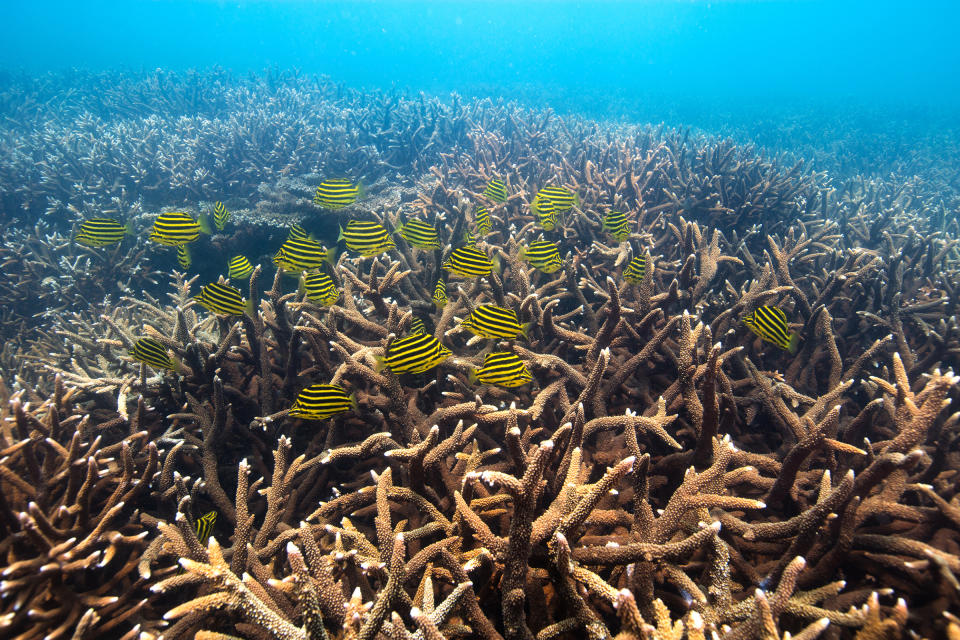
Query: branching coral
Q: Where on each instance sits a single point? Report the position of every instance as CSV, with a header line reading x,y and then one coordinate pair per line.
x,y
667,475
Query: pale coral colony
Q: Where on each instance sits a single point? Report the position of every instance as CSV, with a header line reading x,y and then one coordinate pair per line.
x,y
638,463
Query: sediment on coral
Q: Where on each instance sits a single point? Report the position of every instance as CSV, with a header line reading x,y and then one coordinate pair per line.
x,y
667,475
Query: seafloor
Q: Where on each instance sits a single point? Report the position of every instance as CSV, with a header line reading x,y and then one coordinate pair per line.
x,y
667,474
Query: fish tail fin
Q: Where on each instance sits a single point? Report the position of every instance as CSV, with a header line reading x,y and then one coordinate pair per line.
x,y
496,263
331,258
250,308
340,235
353,403
794,343
525,329
361,190
204,221
380,364
576,198
522,253
128,228
472,377
177,366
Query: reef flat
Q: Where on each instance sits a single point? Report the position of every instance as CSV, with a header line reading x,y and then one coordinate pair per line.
x,y
730,412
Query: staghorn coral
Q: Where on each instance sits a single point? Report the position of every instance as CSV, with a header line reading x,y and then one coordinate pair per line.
x,y
668,475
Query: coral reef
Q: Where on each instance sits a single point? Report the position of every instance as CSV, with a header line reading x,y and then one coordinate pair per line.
x,y
667,475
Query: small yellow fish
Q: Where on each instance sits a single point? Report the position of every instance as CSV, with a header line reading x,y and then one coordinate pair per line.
x,y
337,193
440,294
491,321
322,401
220,216
204,526
502,368
101,232
770,323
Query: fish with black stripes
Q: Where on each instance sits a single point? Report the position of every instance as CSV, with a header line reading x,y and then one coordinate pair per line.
x,y
416,326
319,288
495,191
102,232
204,526
491,321
420,234
440,294
297,232
220,215
562,198
366,237
469,262
183,256
223,300
153,353
337,193
177,227
546,212
770,323
615,223
414,353
239,268
543,255
302,254
322,401
481,220
501,368
635,270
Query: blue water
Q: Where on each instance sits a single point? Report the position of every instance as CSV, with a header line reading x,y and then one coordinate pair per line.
x,y
682,55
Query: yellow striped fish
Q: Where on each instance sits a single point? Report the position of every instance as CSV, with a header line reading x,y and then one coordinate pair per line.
x,y
496,190
543,255
204,526
220,215
101,232
366,238
239,268
302,254
415,353
336,193
546,212
151,352
616,223
440,294
635,270
502,368
770,323
468,262
321,401
320,288
491,321
183,257
223,300
297,232
481,218
562,198
420,234
416,326
176,228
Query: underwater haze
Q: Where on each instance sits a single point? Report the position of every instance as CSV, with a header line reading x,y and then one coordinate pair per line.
x,y
610,57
